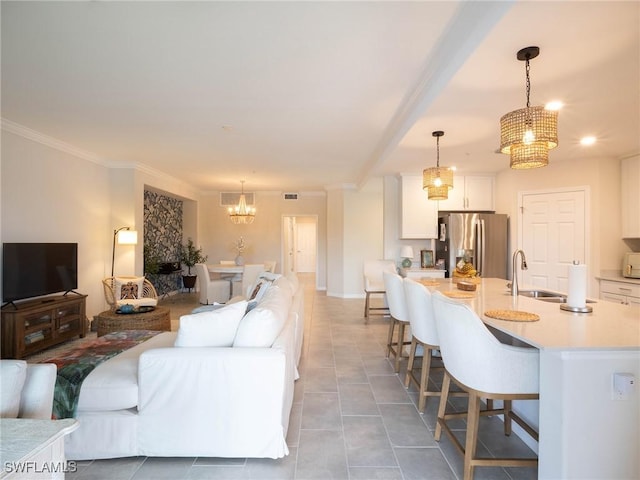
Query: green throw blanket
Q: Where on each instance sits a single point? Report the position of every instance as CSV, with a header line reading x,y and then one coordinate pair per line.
x,y
75,365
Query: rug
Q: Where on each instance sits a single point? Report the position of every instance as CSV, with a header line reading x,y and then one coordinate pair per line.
x,y
74,366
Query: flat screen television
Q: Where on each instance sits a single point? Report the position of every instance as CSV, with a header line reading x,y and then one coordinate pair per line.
x,y
37,269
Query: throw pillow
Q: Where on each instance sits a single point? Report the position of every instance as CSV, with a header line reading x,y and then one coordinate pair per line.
x,y
129,288
262,325
259,290
215,328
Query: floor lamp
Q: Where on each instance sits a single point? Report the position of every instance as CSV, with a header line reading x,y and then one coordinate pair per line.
x,y
124,236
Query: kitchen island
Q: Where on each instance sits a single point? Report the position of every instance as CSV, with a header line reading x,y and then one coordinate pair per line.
x,y
586,431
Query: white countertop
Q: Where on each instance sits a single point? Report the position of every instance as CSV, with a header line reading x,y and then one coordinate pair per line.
x,y
616,276
23,438
610,326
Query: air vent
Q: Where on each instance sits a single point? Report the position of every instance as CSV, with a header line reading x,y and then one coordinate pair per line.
x,y
290,196
231,199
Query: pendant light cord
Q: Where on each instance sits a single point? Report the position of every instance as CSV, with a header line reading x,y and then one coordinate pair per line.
x,y
527,68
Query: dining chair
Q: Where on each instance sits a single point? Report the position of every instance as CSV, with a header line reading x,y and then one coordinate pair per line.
x,y
394,288
483,367
270,266
249,276
211,290
374,284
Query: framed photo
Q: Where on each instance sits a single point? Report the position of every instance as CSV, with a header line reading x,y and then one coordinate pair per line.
x,y
426,258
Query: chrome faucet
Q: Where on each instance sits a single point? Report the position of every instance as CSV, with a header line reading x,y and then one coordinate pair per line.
x,y
523,266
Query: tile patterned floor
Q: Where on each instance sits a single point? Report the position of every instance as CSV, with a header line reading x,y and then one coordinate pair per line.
x,y
352,418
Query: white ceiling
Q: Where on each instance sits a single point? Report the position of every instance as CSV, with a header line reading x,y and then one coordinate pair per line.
x,y
306,95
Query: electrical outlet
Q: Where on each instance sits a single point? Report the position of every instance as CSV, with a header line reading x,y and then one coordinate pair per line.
x,y
623,386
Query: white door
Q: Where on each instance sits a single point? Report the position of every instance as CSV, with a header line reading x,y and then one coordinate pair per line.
x,y
299,243
305,237
552,235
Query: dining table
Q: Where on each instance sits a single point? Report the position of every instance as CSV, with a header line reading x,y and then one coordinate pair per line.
x,y
230,272
587,429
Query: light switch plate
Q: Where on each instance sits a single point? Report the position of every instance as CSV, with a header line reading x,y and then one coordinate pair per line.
x,y
623,385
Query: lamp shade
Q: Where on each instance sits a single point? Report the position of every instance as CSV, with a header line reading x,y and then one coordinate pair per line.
x,y
127,237
532,155
437,193
436,177
528,125
406,251
527,134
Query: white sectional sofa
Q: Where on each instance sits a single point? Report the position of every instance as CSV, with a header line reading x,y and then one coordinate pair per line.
x,y
231,398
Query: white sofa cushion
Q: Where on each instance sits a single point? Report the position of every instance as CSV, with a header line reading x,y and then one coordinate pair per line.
x,y
214,328
261,326
285,284
113,385
12,375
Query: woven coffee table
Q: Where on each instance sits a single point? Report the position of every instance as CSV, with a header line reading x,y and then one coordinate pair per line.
x,y
110,321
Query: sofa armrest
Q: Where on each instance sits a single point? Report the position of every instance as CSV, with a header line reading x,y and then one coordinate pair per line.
x,y
37,394
213,401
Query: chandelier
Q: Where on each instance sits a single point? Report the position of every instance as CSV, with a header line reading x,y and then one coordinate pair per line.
x,y
437,181
241,214
529,133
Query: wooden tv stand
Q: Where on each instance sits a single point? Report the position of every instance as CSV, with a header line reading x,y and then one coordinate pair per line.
x,y
34,325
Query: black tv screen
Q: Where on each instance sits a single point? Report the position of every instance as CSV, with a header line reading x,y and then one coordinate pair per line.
x,y
36,269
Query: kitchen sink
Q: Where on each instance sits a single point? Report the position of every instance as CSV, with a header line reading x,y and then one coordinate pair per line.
x,y
546,296
540,294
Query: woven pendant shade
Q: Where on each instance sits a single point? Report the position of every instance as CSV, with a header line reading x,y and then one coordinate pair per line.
x,y
532,155
543,124
527,134
437,180
431,175
438,193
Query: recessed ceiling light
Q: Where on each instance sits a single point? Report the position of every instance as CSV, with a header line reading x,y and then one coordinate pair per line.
x,y
586,141
227,128
554,105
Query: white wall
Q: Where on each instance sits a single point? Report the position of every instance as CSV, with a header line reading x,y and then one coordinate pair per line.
x,y
603,178
52,196
263,238
362,233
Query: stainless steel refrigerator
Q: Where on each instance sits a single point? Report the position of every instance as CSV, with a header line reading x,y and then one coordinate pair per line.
x,y
480,237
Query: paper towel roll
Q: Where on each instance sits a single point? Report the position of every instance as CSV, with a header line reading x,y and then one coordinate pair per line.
x,y
577,295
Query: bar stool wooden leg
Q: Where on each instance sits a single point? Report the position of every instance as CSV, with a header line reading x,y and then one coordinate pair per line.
x,y
366,305
473,418
424,379
392,324
412,355
442,408
507,417
399,346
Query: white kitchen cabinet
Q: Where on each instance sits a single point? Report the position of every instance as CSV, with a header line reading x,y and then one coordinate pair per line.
x,y
630,201
620,292
470,192
419,215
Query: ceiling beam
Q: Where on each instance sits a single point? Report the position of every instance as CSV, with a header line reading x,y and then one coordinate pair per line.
x,y
466,30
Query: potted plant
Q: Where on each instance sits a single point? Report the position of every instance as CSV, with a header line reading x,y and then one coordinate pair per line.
x,y
190,255
151,260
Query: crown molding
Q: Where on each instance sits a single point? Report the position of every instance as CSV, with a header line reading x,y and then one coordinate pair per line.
x,y
22,131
